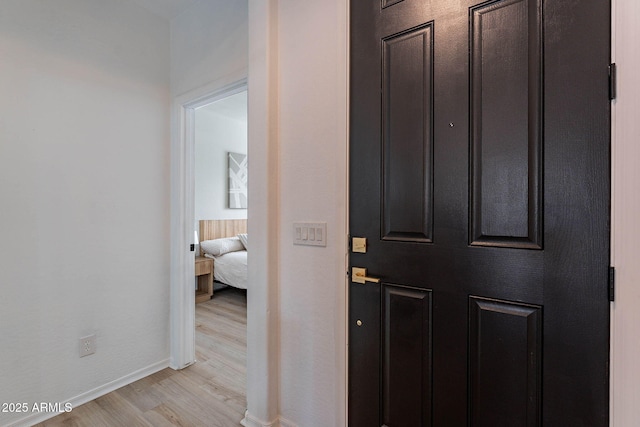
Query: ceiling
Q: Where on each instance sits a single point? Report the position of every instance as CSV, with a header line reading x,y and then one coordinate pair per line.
x,y
168,9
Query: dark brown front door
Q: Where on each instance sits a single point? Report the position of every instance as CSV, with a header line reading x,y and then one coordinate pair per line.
x,y
479,175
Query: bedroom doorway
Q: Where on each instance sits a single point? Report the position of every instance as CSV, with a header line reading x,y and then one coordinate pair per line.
x,y
215,346
220,233
184,229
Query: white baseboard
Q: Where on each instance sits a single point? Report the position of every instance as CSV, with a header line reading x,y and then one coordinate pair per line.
x,y
286,423
251,421
94,394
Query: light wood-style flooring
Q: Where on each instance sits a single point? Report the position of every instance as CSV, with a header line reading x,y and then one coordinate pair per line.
x,y
210,393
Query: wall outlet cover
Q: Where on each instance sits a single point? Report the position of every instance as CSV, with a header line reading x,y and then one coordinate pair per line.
x,y
87,345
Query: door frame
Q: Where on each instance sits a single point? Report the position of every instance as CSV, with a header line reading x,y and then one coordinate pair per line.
x,y
182,270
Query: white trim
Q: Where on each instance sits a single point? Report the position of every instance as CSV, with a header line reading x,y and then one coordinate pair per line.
x,y
286,423
612,217
343,374
95,393
612,316
182,310
251,421
625,205
182,298
263,215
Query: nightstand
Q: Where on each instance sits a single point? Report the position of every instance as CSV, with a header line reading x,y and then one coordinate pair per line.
x,y
204,273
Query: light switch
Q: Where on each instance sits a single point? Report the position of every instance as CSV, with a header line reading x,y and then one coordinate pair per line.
x,y
310,233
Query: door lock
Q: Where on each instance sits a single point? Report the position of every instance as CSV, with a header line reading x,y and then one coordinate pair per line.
x,y
359,245
359,275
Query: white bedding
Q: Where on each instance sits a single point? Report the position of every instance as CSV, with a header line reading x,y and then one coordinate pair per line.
x,y
231,268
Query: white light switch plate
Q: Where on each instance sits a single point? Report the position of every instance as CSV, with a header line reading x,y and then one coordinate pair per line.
x,y
310,233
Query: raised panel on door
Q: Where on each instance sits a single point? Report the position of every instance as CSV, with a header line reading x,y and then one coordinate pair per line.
x,y
407,358
506,127
505,358
407,108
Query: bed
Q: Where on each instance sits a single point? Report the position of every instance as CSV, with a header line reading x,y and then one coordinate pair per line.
x,y
219,241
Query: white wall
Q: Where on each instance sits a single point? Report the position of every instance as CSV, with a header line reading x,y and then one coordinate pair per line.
x,y
313,165
625,335
216,135
209,45
84,190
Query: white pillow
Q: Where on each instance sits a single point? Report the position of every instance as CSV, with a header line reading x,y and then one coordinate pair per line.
x,y
243,239
219,247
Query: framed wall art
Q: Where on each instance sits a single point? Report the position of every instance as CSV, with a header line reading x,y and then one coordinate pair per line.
x,y
237,181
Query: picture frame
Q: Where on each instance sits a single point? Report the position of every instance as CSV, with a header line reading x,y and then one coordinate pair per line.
x,y
237,179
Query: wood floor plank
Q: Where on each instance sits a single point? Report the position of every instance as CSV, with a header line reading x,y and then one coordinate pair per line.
x,y
121,411
211,392
143,399
88,415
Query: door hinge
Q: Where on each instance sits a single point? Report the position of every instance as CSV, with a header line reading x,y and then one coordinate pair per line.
x,y
192,248
613,77
612,283
349,242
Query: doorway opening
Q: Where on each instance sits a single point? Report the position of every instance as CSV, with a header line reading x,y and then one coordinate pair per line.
x,y
183,218
220,228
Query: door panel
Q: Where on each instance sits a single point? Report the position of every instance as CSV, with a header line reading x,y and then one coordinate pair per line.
x,y
506,76
407,356
505,355
407,128
479,174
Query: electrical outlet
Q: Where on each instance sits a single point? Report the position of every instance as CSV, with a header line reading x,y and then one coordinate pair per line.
x,y
87,345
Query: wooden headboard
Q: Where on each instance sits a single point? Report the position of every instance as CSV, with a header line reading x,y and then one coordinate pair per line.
x,y
218,228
